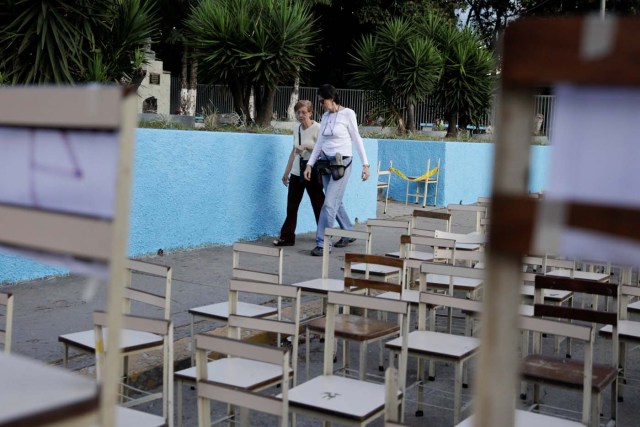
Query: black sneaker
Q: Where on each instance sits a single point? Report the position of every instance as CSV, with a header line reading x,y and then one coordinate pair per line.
x,y
344,242
317,251
281,242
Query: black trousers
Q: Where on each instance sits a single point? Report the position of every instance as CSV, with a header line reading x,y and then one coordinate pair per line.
x,y
297,186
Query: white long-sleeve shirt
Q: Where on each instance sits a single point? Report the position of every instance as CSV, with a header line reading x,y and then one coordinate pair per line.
x,y
338,133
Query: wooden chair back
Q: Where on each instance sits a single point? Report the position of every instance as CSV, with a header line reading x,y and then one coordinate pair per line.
x,y
330,233
161,300
210,390
347,300
248,272
431,215
367,284
6,301
161,327
283,325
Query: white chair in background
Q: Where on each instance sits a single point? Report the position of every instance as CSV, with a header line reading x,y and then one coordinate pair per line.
x,y
422,187
384,182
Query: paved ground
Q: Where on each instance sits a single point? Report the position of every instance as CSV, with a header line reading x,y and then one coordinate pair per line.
x,y
45,309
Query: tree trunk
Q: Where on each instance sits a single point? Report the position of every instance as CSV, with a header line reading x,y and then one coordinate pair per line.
x,y
264,105
293,99
240,95
193,88
184,82
411,116
452,130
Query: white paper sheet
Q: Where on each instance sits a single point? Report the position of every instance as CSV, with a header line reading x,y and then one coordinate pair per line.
x,y
67,171
596,158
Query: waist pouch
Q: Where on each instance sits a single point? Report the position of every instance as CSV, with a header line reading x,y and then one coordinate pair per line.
x,y
337,170
322,167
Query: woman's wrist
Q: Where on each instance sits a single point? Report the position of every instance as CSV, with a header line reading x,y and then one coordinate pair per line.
x,y
365,166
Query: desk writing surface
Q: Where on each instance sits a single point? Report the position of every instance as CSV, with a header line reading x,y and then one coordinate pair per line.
x,y
583,275
31,390
321,286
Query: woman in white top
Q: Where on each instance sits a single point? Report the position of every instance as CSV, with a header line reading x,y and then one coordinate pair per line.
x,y
338,134
304,139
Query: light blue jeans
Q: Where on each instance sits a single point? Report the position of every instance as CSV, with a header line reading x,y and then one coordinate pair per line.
x,y
333,208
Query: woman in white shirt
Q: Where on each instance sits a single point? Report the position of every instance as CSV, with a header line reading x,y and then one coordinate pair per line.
x,y
304,139
338,134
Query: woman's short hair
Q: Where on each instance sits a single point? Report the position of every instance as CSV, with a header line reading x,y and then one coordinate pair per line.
x,y
327,91
303,103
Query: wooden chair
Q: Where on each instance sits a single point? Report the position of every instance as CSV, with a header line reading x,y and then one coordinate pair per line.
x,y
160,327
340,399
6,301
132,341
400,226
422,187
355,328
208,388
220,311
384,182
431,345
431,215
480,211
628,333
241,373
591,378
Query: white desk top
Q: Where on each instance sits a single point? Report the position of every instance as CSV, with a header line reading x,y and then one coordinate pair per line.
x,y
220,310
235,371
465,283
339,396
585,275
321,286
438,344
31,390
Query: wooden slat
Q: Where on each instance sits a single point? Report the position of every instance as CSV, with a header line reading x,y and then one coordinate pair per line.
x,y
516,216
630,290
374,259
542,52
148,267
450,270
136,323
574,313
428,241
419,213
257,276
233,347
553,327
389,223
263,288
224,393
576,285
78,236
352,234
61,107
256,249
262,324
371,303
352,282
449,301
145,297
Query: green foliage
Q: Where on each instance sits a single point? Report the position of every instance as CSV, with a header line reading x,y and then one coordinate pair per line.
x,y
399,65
64,41
252,43
468,75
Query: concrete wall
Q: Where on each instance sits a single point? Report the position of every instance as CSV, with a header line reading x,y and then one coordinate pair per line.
x,y
193,188
196,188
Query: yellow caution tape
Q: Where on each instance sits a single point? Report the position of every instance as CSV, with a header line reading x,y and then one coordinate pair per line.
x,y
419,178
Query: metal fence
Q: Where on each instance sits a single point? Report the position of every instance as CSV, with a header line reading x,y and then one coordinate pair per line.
x,y
217,98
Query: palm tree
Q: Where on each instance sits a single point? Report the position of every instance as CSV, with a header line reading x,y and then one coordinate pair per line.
x,y
465,87
64,41
252,45
398,65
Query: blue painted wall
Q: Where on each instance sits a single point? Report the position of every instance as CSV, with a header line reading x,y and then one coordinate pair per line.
x,y
193,189
466,167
